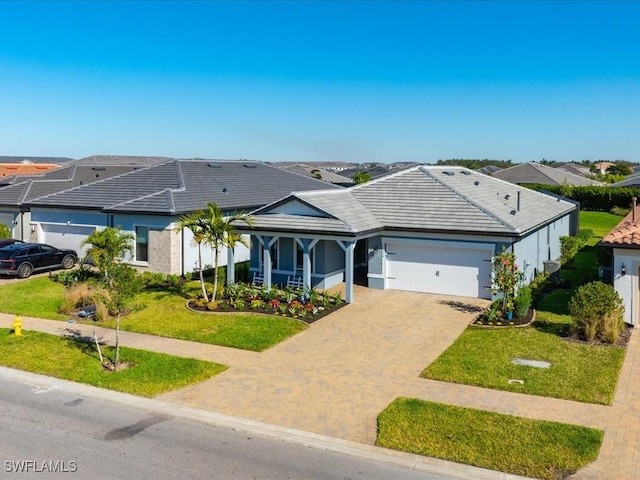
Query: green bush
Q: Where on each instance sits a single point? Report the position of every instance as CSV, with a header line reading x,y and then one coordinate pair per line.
x,y
597,311
5,232
523,300
593,198
569,246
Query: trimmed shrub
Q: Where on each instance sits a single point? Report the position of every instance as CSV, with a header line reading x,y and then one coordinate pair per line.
x,y
569,246
5,232
592,198
597,311
523,300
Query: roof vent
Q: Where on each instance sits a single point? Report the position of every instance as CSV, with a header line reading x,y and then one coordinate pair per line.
x,y
214,165
250,165
224,190
98,169
507,196
447,172
476,182
464,172
513,212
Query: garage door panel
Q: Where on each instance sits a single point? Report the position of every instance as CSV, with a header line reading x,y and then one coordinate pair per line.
x,y
67,236
450,271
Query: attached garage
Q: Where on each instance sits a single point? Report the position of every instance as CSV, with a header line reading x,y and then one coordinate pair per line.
x,y
66,236
444,269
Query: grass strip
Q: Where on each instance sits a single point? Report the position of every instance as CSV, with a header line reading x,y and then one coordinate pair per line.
x,y
148,375
532,448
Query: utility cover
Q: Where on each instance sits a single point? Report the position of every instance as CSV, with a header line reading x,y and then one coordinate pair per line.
x,y
530,363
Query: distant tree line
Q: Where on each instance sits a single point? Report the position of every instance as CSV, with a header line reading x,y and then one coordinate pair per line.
x,y
475,164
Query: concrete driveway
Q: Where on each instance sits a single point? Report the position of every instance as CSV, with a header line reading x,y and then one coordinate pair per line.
x,y
336,377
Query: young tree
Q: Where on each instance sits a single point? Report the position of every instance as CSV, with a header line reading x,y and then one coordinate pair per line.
x,y
125,283
361,177
506,276
212,228
108,247
5,232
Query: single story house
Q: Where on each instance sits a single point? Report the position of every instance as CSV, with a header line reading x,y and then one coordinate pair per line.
x,y
427,229
536,173
147,201
623,243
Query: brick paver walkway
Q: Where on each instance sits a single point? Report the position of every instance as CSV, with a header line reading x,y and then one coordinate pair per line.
x,y
335,377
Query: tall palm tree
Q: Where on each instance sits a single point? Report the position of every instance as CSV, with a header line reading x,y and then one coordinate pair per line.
x,y
108,247
212,228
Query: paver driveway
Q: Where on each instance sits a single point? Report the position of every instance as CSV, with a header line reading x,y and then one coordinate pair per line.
x,y
338,375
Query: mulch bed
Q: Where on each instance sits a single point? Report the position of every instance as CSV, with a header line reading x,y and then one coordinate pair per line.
x,y
223,307
482,321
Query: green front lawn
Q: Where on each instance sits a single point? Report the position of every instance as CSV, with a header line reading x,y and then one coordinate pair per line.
x,y
149,375
482,357
159,313
586,373
539,449
37,297
166,315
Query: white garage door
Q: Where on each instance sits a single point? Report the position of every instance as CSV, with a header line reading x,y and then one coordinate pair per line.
x,y
449,271
67,236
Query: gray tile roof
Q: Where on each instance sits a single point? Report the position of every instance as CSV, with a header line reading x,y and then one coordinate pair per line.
x,y
542,174
425,198
326,176
104,160
181,186
19,159
632,180
26,188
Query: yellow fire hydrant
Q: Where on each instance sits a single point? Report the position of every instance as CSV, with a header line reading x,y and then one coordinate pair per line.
x,y
17,326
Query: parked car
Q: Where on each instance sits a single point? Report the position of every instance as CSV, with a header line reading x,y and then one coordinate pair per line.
x,y
9,241
23,259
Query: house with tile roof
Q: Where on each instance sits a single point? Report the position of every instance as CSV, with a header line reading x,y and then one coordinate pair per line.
x,y
13,169
319,174
146,201
623,243
536,173
428,229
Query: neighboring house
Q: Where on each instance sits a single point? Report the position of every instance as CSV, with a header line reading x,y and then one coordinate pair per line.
x,y
631,181
426,229
402,165
34,160
319,174
147,201
623,242
12,169
19,190
574,168
536,173
330,166
374,172
602,167
488,169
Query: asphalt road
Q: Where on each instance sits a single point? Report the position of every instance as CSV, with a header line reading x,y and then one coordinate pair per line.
x,y
48,433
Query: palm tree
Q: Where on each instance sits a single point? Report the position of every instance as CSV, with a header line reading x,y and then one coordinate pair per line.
x,y
212,228
108,246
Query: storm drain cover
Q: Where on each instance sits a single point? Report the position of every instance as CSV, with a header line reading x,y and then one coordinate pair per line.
x,y
530,363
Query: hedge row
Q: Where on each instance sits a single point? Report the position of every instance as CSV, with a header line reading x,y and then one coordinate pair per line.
x,y
597,199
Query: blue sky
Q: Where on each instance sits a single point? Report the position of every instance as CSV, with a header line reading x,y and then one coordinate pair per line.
x,y
322,81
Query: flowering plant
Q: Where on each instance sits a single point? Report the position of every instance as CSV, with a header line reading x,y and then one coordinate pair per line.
x,y
506,276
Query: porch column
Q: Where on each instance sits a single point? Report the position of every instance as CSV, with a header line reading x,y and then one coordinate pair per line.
x,y
267,242
307,245
231,264
348,247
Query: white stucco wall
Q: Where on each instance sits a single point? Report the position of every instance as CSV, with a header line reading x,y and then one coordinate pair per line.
x,y
627,285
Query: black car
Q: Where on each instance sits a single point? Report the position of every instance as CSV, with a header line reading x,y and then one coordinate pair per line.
x,y
22,259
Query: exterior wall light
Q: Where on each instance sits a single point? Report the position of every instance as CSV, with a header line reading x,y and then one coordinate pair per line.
x,y
623,269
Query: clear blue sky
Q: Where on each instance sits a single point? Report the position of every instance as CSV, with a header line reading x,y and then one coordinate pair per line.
x,y
327,81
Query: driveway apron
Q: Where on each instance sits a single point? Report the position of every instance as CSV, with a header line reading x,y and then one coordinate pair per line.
x,y
335,377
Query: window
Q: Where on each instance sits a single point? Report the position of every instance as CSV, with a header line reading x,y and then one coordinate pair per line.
x,y
142,244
